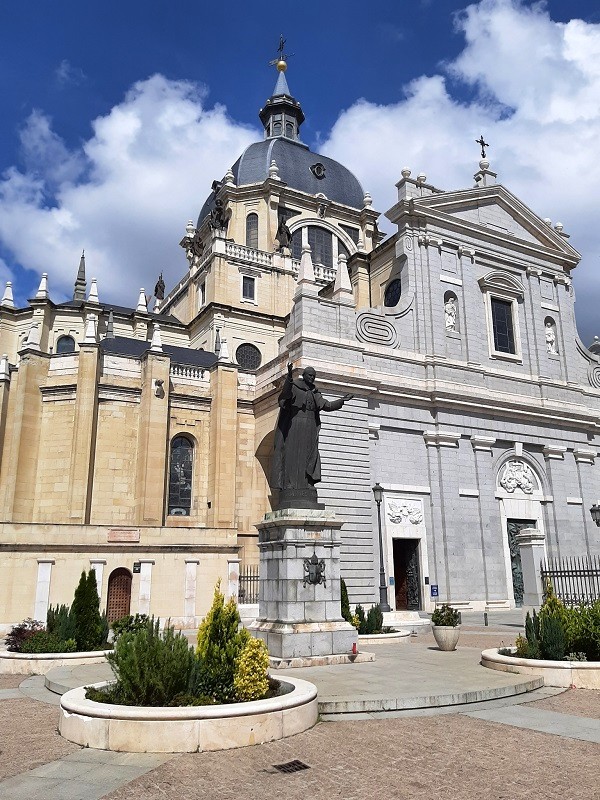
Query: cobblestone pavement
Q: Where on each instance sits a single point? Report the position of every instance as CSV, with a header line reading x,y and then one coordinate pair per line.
x,y
578,702
28,736
431,758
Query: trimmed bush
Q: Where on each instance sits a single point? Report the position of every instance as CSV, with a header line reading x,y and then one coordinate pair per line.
x,y
61,622
359,614
345,602
89,628
129,624
374,621
553,643
445,615
250,681
45,642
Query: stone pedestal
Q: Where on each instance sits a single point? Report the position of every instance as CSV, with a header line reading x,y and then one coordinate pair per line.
x,y
531,549
297,619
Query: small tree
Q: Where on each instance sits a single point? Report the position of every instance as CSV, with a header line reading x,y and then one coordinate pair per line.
x,y
345,602
251,681
86,613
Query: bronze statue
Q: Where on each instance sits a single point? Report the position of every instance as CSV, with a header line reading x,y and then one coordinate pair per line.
x,y
217,216
284,236
159,289
296,463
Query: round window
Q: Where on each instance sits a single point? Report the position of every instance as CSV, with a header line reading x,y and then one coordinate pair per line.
x,y
248,356
392,294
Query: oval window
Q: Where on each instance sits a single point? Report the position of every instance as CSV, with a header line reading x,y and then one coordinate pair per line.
x,y
248,356
392,294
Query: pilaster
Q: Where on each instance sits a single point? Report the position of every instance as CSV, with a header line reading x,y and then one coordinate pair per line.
x,y
152,445
223,446
358,264
84,433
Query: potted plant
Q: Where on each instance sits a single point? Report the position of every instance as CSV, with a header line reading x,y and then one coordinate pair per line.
x,y
446,630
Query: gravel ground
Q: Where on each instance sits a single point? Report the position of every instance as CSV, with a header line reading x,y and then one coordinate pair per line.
x,y
578,702
28,736
11,681
478,640
414,758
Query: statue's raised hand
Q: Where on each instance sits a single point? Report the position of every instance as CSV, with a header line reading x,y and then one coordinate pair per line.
x,y
347,397
290,368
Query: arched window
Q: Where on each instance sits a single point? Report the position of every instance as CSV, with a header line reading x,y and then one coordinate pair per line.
x,y
321,245
392,294
252,231
65,344
297,244
180,477
289,130
248,356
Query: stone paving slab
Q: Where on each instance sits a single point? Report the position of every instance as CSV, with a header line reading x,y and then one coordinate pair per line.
x,y
538,719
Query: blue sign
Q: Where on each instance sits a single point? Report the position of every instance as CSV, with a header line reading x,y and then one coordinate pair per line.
x,y
392,580
434,590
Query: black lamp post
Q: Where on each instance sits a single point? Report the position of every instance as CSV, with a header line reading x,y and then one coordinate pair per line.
x,y
383,603
595,512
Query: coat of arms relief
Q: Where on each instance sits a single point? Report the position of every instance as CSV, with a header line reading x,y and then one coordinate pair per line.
x,y
518,475
400,511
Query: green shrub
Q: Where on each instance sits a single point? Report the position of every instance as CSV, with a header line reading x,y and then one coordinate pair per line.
x,y
151,667
445,615
60,621
530,646
19,634
220,643
583,630
129,624
251,680
45,642
374,621
553,642
359,614
87,621
345,602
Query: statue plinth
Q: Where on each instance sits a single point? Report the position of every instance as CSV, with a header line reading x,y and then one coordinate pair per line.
x,y
300,614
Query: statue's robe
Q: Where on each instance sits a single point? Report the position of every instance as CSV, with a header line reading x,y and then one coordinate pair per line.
x,y
296,460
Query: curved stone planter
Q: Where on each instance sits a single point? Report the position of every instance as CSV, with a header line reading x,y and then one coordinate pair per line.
x,y
446,636
41,663
186,729
395,636
579,674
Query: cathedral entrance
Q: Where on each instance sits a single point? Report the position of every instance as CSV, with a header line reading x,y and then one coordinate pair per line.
x,y
407,581
513,526
119,594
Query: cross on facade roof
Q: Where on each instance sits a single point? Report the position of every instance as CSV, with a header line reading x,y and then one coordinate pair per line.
x,y
483,145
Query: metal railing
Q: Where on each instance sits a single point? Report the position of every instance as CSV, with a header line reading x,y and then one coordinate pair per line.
x,y
248,588
574,580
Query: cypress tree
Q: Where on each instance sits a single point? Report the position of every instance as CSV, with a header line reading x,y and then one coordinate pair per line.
x,y
86,613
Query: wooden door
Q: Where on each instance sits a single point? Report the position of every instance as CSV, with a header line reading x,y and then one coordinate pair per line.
x,y
406,574
119,594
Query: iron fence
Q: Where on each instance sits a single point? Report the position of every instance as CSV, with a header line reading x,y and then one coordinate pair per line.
x,y
248,588
574,580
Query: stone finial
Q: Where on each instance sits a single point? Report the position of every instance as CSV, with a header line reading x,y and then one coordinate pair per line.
x,y
7,298
142,304
90,336
157,305
367,200
190,229
156,343
224,353
93,295
342,288
217,341
274,171
229,179
42,292
559,227
110,326
484,164
4,368
421,178
306,273
405,173
548,221
33,337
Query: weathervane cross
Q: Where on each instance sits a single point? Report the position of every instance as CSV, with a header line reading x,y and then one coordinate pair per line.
x,y
483,145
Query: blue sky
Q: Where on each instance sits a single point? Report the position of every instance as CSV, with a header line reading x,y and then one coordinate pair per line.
x,y
117,116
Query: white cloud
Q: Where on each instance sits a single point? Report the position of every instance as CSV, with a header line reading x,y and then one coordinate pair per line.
x,y
536,85
66,74
125,196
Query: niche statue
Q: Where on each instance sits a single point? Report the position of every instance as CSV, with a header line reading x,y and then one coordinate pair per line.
x,y
296,462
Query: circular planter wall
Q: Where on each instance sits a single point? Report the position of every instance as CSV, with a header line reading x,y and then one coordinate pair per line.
x,y
395,636
187,729
580,674
446,636
41,663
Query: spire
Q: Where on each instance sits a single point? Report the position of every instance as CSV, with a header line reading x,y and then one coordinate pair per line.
x,y
110,327
42,292
80,283
90,330
156,343
282,114
342,288
7,298
93,295
142,305
306,274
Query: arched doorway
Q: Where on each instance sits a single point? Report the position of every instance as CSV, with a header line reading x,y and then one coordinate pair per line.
x,y
119,594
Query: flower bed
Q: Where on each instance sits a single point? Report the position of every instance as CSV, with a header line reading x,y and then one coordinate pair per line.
x,y
41,663
187,729
579,674
393,636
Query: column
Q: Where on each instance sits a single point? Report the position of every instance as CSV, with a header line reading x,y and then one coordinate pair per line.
x,y
98,567
42,589
189,600
233,578
531,549
145,587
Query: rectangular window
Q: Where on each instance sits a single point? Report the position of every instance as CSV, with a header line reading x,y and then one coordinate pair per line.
x,y
202,295
248,288
502,324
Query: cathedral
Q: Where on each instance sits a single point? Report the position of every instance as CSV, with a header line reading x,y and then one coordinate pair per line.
x,y
137,441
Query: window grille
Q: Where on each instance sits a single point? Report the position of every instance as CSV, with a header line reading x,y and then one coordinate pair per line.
x,y
321,245
180,477
248,356
65,344
252,231
248,286
392,294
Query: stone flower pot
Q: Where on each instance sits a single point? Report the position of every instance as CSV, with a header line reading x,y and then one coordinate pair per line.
x,y
446,636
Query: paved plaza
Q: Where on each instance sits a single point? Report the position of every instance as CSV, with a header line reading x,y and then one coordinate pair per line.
x,y
543,744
